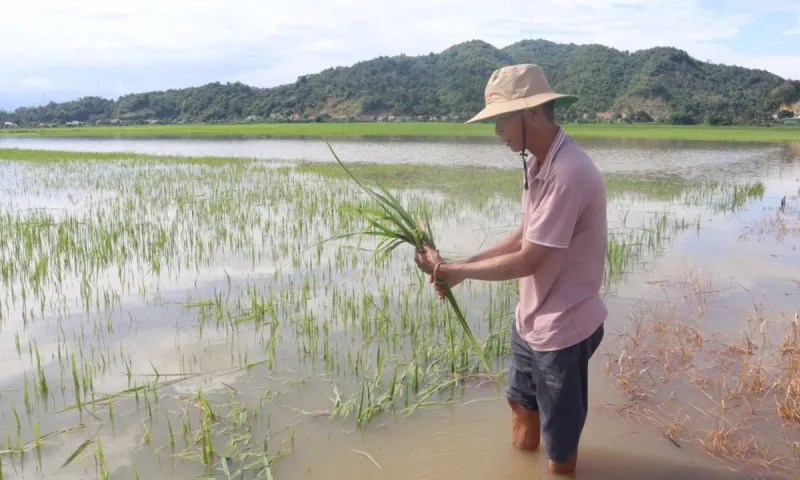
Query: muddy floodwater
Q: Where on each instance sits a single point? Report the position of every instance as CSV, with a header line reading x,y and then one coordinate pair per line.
x,y
192,308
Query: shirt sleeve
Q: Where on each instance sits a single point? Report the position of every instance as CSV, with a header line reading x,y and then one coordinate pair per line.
x,y
553,221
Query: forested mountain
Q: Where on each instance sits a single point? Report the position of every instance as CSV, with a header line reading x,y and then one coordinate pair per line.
x,y
665,83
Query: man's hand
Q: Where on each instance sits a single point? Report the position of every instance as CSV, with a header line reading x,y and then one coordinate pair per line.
x,y
427,259
440,284
510,244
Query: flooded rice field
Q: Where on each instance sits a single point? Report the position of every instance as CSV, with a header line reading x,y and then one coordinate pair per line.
x,y
171,314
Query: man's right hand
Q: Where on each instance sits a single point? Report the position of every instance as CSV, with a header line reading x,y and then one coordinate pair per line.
x,y
439,287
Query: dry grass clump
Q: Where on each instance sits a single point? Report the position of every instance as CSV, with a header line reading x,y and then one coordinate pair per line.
x,y
660,339
718,440
789,383
702,387
752,380
780,222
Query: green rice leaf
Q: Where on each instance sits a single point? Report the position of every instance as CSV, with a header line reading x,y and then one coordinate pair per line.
x,y
389,248
77,452
395,226
398,207
393,234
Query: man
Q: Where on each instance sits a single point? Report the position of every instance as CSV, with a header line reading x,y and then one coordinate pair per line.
x,y
558,254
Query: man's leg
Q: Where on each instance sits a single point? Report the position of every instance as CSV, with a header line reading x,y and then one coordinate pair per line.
x,y
563,397
521,395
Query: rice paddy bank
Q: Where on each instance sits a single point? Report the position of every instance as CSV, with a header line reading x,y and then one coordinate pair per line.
x,y
421,129
170,316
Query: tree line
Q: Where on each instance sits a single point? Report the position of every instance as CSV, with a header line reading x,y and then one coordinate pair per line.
x,y
659,84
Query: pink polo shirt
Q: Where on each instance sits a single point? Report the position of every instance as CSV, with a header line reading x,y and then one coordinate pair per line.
x,y
564,208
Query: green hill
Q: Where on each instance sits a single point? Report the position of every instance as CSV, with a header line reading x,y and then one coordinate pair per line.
x,y
665,83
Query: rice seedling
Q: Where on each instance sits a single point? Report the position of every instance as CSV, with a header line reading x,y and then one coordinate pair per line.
x,y
394,226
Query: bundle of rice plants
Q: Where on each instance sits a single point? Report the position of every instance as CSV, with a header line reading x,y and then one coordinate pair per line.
x,y
394,226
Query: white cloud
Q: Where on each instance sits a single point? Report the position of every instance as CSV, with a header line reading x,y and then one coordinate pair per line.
x,y
149,44
786,65
36,83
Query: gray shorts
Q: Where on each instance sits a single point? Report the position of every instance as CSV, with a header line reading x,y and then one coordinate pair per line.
x,y
556,384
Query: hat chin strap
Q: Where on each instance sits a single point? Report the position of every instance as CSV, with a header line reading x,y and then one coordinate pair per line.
x,y
522,153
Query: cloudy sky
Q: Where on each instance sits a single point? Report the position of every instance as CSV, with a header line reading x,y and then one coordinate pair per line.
x,y
64,49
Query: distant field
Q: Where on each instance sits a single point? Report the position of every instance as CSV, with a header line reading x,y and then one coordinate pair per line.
x,y
758,134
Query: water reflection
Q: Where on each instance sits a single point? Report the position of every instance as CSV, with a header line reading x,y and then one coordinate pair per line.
x,y
686,158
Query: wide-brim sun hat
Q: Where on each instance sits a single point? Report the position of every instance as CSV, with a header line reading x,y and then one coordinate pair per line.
x,y
519,87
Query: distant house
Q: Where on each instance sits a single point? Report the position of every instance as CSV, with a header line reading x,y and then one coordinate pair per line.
x,y
9,125
781,114
606,115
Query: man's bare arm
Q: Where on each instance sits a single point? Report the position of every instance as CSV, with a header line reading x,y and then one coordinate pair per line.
x,y
512,243
509,266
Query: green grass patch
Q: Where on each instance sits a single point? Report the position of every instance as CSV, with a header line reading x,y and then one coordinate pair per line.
x,y
54,156
786,133
463,183
469,183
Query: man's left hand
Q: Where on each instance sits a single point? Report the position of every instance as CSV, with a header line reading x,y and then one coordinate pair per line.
x,y
427,259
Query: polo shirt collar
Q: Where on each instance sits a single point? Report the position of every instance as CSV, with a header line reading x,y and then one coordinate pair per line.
x,y
558,141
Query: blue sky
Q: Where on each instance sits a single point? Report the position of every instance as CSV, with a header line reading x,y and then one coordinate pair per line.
x,y
64,49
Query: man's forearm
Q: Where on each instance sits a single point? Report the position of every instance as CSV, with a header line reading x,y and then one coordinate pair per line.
x,y
501,267
510,244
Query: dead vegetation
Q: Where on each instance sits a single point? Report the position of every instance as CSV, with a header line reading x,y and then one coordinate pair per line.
x,y
734,396
781,222
789,402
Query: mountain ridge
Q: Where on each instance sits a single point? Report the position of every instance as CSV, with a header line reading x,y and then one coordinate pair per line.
x,y
660,82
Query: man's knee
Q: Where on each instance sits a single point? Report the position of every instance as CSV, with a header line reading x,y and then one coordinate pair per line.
x,y
525,426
